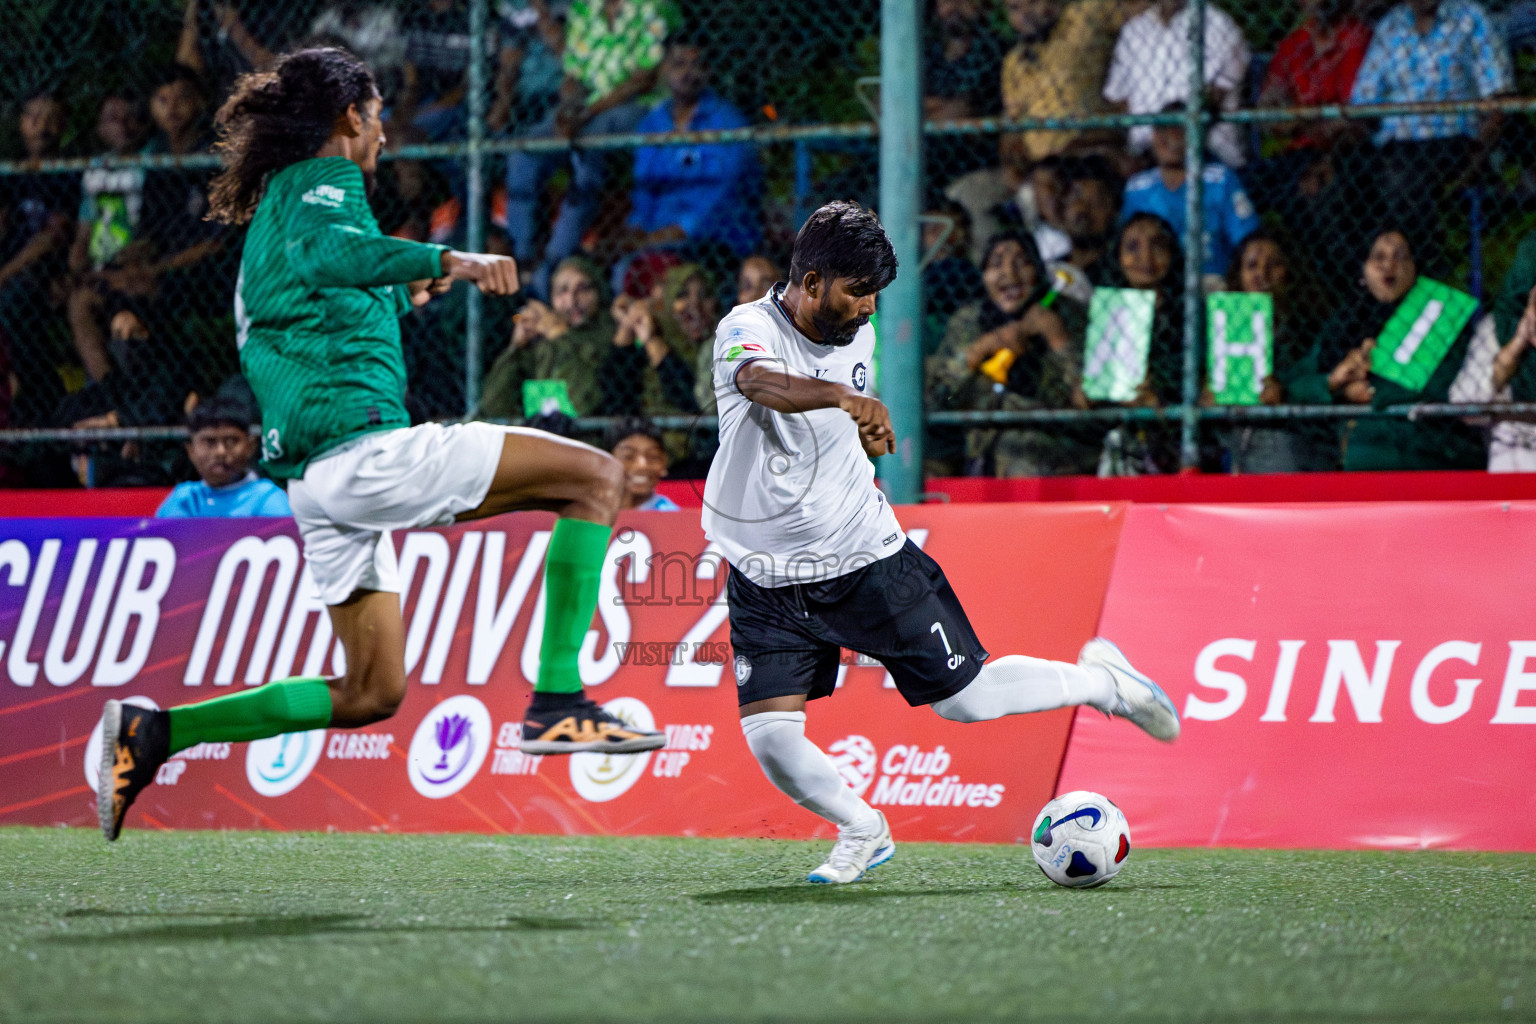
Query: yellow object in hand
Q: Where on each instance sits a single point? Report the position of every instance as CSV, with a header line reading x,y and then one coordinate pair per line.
x,y
998,366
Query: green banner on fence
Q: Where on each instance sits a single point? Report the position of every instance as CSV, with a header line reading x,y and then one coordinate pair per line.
x,y
1241,352
546,396
1119,341
1420,333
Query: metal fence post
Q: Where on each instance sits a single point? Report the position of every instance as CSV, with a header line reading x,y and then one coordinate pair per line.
x,y
901,305
474,204
1194,237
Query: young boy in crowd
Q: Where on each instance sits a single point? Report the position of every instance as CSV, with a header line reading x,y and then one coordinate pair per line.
x,y
221,448
636,442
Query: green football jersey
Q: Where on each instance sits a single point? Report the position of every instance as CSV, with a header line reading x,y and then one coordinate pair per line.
x,y
317,308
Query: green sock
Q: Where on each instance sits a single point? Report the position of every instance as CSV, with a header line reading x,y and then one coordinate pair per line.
x,y
572,571
285,705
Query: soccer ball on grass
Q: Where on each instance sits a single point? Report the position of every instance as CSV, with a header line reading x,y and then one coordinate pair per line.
x,y
1080,840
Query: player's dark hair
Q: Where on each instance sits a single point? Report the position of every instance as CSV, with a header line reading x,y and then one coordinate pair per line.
x,y
630,426
219,411
276,118
844,240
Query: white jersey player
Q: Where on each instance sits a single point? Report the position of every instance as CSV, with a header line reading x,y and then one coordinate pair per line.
x,y
819,561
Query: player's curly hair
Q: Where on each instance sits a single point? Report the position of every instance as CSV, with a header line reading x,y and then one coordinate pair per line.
x,y
276,118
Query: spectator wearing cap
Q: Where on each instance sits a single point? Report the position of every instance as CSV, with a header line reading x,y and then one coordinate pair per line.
x,y
222,448
1229,214
1151,68
637,443
1431,51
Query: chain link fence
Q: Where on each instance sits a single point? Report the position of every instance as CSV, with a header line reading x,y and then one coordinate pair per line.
x,y
1154,235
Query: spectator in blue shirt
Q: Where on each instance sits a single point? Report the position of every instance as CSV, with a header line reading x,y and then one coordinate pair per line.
x,y
698,197
637,443
1431,51
221,448
1229,214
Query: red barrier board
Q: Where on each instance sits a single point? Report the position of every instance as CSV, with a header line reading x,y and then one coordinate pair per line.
x,y
1214,488
1349,676
171,611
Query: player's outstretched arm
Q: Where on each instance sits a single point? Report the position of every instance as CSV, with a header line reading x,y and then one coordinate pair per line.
x,y
774,386
493,275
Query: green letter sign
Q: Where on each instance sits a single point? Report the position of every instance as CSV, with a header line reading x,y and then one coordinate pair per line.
x,y
1425,326
1119,341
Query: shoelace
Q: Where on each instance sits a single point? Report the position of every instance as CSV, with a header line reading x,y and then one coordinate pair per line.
x,y
846,850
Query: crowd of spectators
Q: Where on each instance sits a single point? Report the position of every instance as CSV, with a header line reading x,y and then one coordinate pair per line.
x,y
115,293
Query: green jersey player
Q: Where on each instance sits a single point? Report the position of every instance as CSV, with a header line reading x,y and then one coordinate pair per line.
x,y
316,310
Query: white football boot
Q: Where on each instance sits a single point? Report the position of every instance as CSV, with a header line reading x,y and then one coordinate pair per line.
x,y
857,851
1136,698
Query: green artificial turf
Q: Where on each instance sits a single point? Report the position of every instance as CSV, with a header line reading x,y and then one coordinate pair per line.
x,y
286,927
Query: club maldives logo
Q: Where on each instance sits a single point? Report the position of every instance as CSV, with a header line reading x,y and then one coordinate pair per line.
x,y
277,764
93,745
601,777
449,747
855,759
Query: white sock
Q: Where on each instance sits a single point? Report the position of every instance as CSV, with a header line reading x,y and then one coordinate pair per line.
x,y
1016,685
800,769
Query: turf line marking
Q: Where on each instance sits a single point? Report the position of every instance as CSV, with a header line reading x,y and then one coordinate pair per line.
x,y
29,705
241,803
35,801
40,751
573,805
481,814
354,801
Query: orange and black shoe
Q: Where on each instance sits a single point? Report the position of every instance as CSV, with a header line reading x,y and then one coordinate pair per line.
x,y
135,742
572,724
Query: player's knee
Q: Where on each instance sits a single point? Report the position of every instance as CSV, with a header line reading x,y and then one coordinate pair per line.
x,y
372,699
607,485
955,709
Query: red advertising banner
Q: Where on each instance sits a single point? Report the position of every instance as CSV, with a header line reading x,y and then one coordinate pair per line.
x,y
1349,676
171,611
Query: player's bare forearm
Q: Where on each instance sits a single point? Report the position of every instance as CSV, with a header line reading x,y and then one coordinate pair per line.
x,y
783,390
776,387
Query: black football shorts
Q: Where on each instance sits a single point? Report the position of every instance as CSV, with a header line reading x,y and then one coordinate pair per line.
x,y
900,610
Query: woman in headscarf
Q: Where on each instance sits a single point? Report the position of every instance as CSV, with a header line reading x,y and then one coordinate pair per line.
x,y
1019,347
1338,369
656,345
1265,263
1146,255
565,341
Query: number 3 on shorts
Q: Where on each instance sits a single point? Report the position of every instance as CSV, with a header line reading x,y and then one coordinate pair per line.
x,y
271,445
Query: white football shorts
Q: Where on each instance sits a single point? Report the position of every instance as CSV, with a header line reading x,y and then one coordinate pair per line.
x,y
352,496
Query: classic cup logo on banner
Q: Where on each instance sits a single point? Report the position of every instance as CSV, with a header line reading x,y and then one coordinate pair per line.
x,y
855,758
602,777
449,747
277,764
93,745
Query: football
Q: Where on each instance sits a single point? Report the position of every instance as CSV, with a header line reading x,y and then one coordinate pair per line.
x,y
1080,840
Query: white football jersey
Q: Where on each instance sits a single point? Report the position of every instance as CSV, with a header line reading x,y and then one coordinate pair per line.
x,y
791,497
